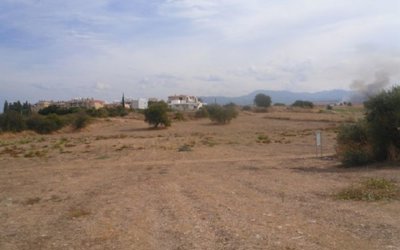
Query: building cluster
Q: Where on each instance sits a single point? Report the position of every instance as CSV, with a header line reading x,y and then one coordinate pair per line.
x,y
175,102
184,102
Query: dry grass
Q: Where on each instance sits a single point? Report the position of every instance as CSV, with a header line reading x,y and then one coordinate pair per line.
x,y
77,212
32,201
124,186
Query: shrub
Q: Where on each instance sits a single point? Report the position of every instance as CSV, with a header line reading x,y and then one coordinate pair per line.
x,y
156,114
179,116
279,104
353,147
201,113
303,104
221,115
262,100
117,111
45,124
261,110
81,120
54,109
246,108
355,157
101,112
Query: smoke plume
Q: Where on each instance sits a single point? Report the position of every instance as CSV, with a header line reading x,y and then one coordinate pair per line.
x,y
365,90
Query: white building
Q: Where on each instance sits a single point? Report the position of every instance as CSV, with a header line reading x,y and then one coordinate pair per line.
x,y
184,102
141,103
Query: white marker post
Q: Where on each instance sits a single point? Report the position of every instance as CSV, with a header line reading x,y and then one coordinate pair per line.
x,y
318,143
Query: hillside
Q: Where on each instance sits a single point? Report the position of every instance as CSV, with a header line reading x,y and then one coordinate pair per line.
x,y
286,97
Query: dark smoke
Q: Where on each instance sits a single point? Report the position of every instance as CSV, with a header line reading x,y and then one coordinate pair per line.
x,y
365,90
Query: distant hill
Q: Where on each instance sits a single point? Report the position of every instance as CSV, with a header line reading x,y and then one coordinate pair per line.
x,y
287,97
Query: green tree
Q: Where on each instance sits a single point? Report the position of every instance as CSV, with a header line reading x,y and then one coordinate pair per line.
x,y
221,114
383,119
377,137
5,107
262,100
303,104
12,121
123,101
157,114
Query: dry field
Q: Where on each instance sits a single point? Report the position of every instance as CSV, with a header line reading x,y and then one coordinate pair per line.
x,y
252,184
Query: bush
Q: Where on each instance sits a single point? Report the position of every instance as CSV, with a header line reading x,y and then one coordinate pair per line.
x,y
246,108
303,104
54,109
117,111
221,115
260,110
355,157
101,112
179,116
279,104
81,120
156,114
262,100
45,124
353,147
201,113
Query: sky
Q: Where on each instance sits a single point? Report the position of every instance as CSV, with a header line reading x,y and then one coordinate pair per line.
x,y
52,50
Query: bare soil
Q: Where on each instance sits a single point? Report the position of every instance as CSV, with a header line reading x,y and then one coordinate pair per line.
x,y
119,185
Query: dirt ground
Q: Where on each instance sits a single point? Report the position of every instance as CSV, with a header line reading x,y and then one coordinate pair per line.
x,y
253,184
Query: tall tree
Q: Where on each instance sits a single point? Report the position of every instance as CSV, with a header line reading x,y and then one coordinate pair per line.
x,y
123,100
5,108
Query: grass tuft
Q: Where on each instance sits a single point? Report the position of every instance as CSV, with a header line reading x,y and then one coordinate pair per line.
x,y
74,213
263,139
372,189
185,148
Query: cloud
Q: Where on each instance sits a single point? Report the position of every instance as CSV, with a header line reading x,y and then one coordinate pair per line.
x,y
223,47
102,86
210,78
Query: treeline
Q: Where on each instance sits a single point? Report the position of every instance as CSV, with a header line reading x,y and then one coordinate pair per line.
x,y
17,117
22,108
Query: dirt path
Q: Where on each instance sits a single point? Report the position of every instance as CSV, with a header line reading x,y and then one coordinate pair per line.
x,y
210,204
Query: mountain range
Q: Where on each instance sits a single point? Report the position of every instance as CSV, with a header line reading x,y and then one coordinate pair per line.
x,y
286,97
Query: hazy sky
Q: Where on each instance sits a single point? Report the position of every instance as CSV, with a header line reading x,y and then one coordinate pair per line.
x,y
51,49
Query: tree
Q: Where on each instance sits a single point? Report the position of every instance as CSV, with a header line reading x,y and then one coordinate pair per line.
x,y
157,114
383,119
5,107
221,114
377,137
261,100
12,121
303,104
123,100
